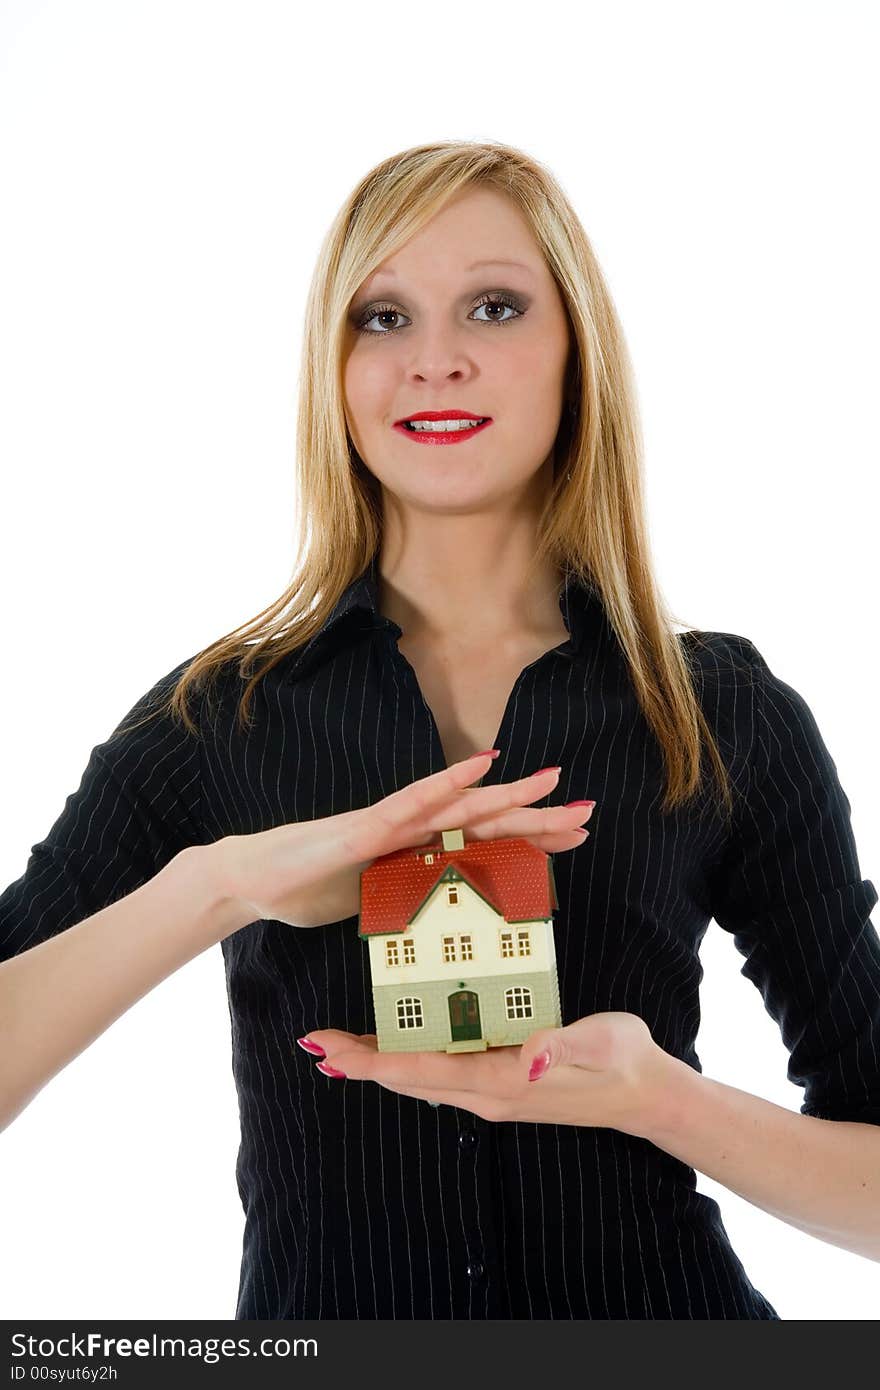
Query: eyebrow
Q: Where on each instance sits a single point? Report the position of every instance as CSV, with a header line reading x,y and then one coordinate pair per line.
x,y
473,266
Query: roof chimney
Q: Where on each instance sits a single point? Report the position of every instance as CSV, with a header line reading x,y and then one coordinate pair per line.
x,y
453,839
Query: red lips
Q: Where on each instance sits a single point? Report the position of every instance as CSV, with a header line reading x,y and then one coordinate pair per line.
x,y
442,415
435,438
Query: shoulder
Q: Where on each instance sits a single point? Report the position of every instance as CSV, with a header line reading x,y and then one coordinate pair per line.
x,y
726,659
150,722
772,716
729,661
735,661
726,671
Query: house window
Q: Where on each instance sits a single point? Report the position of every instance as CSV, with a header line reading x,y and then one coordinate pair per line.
x,y
452,894
391,953
409,951
429,858
467,948
448,948
409,1013
525,945
507,943
518,1001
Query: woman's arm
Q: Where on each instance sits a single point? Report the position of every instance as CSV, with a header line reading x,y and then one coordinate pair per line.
x,y
822,1176
57,997
789,888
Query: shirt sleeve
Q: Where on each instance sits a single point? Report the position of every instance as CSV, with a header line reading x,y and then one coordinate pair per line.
x,y
789,888
137,805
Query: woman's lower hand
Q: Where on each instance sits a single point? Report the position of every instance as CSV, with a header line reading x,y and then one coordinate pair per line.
x,y
308,873
603,1070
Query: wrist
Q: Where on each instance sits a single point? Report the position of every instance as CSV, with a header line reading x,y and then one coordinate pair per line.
x,y
205,869
669,1086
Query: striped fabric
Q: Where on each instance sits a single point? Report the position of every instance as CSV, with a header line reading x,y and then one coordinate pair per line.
x,y
360,1203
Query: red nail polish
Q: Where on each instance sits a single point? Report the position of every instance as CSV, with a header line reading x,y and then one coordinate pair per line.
x,y
312,1047
485,753
580,803
539,1066
546,769
326,1068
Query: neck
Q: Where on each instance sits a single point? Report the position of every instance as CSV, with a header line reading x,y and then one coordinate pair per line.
x,y
465,596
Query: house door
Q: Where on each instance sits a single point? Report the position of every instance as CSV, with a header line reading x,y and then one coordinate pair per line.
x,y
464,1015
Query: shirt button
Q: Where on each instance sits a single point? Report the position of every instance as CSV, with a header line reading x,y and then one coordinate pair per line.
x,y
467,1139
475,1270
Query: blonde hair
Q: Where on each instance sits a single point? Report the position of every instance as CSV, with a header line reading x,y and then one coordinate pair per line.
x,y
593,525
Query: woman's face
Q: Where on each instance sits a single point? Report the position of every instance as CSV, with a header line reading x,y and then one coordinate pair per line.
x,y
421,339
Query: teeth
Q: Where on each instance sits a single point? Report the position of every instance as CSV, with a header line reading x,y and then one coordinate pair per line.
x,y
442,426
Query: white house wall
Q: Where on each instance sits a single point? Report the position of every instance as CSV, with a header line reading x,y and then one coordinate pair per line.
x,y
472,916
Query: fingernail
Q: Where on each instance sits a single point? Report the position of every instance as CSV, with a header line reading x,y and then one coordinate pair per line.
x,y
485,753
546,769
539,1065
326,1068
311,1047
580,803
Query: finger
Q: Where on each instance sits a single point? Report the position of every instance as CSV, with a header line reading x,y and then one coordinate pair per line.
x,y
551,821
502,812
431,796
333,1040
462,1100
559,842
467,1073
551,842
549,828
389,818
431,802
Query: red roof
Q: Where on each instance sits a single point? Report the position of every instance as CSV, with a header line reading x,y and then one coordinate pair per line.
x,y
513,875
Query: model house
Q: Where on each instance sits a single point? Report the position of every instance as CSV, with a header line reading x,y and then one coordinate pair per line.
x,y
461,944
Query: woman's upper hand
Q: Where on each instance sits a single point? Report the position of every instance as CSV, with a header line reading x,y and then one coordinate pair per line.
x,y
308,873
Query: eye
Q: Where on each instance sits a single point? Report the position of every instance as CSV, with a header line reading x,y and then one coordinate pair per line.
x,y
498,302
493,301
381,311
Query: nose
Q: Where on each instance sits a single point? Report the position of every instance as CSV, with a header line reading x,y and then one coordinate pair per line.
x,y
439,354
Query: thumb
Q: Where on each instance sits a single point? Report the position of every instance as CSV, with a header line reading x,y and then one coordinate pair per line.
x,y
547,1048
577,1044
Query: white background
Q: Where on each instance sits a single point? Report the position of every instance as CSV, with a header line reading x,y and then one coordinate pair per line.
x,y
168,171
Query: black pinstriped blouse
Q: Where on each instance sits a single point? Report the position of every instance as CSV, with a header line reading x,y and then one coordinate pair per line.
x,y
360,1203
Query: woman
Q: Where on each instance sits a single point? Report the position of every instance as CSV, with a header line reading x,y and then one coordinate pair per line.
x,y
489,590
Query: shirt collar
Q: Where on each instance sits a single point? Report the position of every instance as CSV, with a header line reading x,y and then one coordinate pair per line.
x,y
359,602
